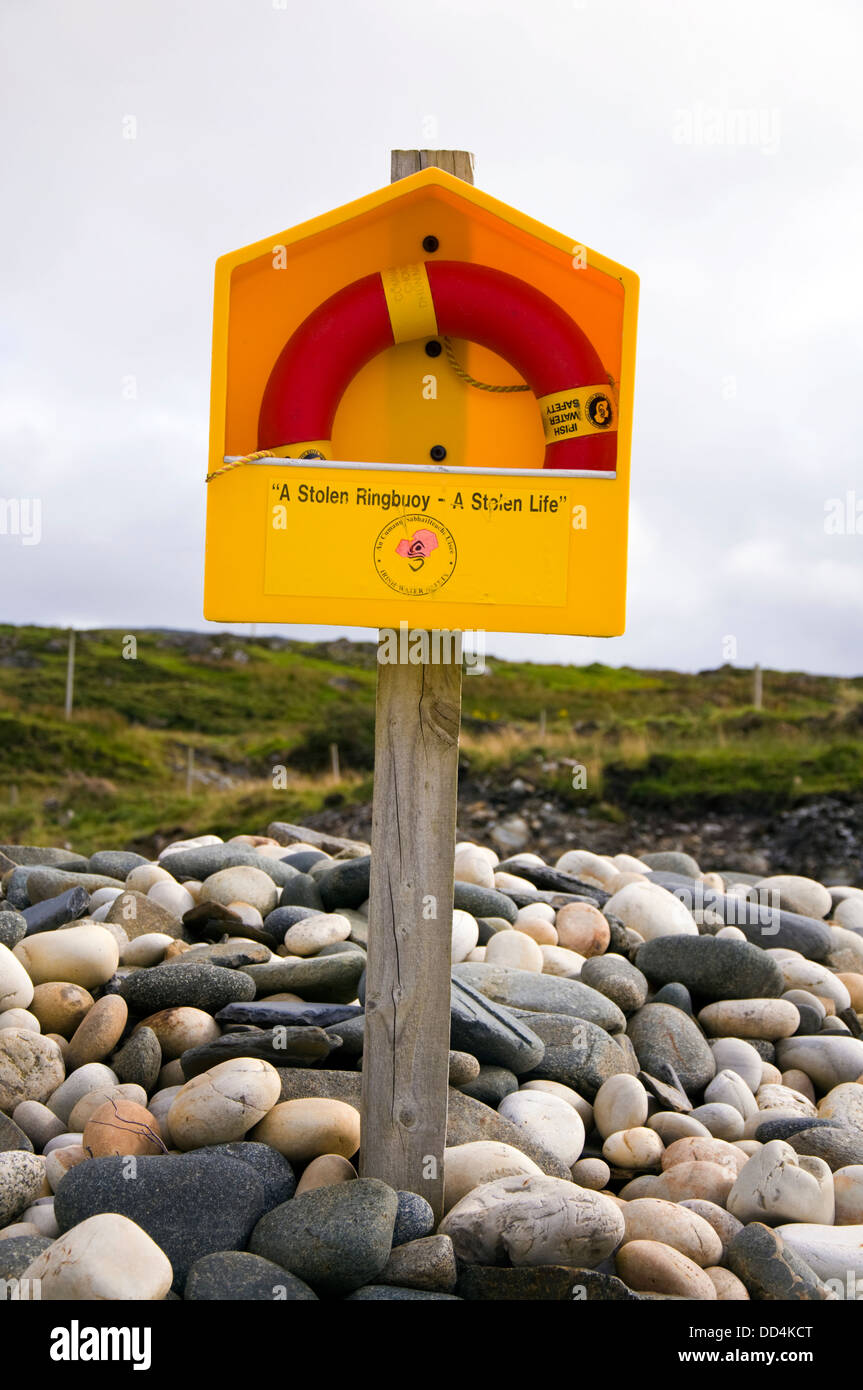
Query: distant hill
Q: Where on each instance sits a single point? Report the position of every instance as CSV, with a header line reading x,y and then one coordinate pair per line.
x,y
594,744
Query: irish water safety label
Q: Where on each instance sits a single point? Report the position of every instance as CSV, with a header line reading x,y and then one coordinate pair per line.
x,y
354,536
573,414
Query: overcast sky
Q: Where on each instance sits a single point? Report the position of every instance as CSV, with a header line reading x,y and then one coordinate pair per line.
x,y
714,147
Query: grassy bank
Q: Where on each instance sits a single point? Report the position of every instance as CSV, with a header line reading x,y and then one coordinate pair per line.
x,y
260,714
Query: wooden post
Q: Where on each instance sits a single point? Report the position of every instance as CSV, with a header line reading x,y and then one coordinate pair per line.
x,y
542,723
334,761
190,768
756,686
406,1052
70,673
405,162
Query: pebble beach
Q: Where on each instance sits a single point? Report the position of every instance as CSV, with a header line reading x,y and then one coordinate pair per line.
x,y
655,1072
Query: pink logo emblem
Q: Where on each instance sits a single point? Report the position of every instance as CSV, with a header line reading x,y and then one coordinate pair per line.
x,y
418,548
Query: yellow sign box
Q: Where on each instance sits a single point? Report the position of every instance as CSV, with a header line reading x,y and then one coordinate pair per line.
x,y
357,349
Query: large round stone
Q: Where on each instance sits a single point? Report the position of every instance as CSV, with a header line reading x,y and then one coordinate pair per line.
x,y
21,1177
711,966
13,1136
139,1060
834,1252
621,1103
839,1145
792,893
490,1032
244,884
673,861
548,1120
467,1166
94,1076
323,979
31,1067
13,927
750,1018
190,1204
232,1276
202,986
304,1129
16,986
414,1218
662,1034
525,989
533,1221
651,1266
484,902
180,1029
99,1032
116,863
221,1105
647,1218
85,955
334,1238
771,1268
120,1126
273,1171
844,1104
577,1053
618,979
828,1061
19,1251
651,911
106,1257
776,1185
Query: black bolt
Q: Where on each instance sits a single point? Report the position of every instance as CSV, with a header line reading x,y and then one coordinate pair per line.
x,y
433,348
430,243
437,452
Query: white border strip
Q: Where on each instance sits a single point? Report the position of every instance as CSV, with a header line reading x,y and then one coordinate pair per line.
x,y
548,474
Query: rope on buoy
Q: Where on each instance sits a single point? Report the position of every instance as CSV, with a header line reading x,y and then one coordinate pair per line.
x,y
471,380
238,463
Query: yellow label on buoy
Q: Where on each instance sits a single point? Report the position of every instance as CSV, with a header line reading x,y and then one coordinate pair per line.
x,y
311,449
577,412
409,302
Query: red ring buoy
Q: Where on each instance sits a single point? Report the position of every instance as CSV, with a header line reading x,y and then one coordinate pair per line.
x,y
456,298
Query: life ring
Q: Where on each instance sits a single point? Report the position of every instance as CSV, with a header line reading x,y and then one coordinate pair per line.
x,y
475,302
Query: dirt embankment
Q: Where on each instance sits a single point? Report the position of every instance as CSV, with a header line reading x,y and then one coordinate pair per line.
x,y
823,839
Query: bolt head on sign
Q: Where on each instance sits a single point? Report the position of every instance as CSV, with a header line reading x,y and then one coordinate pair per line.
x,y
400,491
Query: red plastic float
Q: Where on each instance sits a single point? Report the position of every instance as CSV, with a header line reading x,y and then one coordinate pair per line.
x,y
473,302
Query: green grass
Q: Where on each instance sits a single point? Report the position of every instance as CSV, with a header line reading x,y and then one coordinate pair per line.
x,y
116,773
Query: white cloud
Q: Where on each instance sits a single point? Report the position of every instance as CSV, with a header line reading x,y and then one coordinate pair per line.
x,y
249,118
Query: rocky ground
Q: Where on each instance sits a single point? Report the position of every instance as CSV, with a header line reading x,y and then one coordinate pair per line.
x,y
656,1076
821,839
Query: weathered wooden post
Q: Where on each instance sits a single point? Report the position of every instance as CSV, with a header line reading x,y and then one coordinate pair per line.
x,y
757,686
406,1052
70,673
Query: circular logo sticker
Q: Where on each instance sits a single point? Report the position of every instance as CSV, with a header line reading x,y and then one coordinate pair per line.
x,y
600,411
415,555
